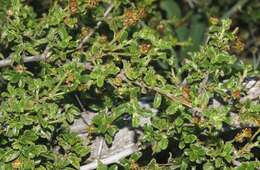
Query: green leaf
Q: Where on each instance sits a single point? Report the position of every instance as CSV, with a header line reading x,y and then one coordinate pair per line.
x,y
81,150
157,100
112,130
28,137
189,138
173,108
147,34
122,36
197,30
10,155
179,121
135,156
150,78
223,58
109,139
113,167
161,123
121,109
74,160
100,81
181,145
227,151
163,143
172,8
101,166
28,164
208,166
195,153
135,119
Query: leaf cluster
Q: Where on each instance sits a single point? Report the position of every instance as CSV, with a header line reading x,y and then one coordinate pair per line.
x,y
134,54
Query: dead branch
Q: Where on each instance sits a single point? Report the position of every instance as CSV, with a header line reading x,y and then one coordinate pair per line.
x,y
44,56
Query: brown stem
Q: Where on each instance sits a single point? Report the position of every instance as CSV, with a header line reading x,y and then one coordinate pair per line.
x,y
108,10
180,100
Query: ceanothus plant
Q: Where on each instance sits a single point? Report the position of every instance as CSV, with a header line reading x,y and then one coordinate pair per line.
x,y
75,57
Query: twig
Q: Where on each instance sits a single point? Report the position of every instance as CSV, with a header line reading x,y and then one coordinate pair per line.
x,y
171,97
101,143
108,10
82,108
235,8
80,103
192,3
43,56
180,100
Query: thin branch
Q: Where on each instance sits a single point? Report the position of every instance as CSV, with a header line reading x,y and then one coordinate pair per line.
x,y
8,61
108,10
101,143
82,108
171,97
180,100
80,103
235,8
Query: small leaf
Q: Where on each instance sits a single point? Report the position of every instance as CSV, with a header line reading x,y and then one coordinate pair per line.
x,y
10,155
190,138
173,108
135,120
181,145
227,151
28,137
113,167
81,150
75,161
101,166
108,138
122,36
208,166
178,121
100,81
163,143
157,100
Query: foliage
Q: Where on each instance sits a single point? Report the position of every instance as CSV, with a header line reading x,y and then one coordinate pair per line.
x,y
137,52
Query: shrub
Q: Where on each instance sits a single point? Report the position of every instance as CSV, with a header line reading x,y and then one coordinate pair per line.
x,y
76,57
